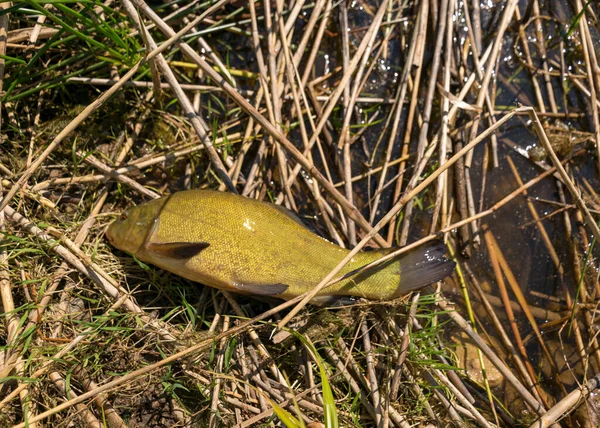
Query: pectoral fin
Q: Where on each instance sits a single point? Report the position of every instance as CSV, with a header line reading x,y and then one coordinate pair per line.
x,y
177,250
261,289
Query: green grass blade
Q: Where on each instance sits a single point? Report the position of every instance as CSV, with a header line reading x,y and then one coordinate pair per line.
x,y
284,416
329,410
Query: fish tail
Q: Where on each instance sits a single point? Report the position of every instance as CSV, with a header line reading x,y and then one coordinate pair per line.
x,y
423,266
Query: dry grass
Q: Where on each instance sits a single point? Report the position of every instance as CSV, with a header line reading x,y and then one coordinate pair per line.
x,y
381,124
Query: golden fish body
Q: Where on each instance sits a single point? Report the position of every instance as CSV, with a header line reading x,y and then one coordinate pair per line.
x,y
234,243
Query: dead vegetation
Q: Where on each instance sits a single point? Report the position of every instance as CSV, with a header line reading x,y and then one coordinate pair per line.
x,y
381,124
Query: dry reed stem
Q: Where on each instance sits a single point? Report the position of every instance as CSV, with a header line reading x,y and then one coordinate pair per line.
x,y
426,113
395,210
281,378
276,120
12,360
590,221
129,168
374,385
195,120
82,264
354,386
441,195
293,75
101,400
483,87
46,365
420,34
114,174
267,413
92,108
404,347
567,404
395,416
35,316
397,109
559,267
452,408
346,171
212,419
473,413
348,107
494,256
4,21
534,81
535,405
66,391
204,344
500,328
592,72
350,210
285,78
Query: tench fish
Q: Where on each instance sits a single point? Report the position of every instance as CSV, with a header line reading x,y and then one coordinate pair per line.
x,y
243,245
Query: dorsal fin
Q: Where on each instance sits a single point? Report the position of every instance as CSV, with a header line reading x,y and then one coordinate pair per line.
x,y
292,215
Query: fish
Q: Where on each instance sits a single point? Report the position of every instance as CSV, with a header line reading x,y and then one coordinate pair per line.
x,y
243,245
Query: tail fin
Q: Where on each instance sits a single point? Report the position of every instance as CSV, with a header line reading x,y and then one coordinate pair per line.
x,y
423,266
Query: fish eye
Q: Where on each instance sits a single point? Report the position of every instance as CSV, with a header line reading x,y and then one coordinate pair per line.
x,y
123,217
